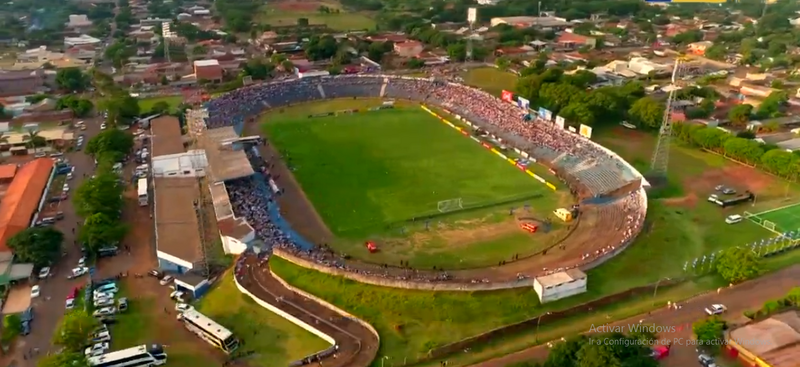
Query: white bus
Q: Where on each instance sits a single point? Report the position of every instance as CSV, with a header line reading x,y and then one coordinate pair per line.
x,y
208,330
142,187
143,355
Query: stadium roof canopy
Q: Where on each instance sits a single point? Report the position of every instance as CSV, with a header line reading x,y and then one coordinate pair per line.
x,y
224,162
177,228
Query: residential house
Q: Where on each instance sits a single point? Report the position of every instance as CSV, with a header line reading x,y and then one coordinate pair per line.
x,y
208,70
79,23
408,48
528,22
82,40
699,48
572,41
38,55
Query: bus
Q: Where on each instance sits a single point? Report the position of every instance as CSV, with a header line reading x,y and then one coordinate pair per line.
x,y
143,355
208,330
142,187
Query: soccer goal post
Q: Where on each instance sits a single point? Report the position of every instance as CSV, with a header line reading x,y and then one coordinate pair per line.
x,y
449,205
769,225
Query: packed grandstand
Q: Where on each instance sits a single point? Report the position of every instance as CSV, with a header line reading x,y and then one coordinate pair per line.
x,y
609,189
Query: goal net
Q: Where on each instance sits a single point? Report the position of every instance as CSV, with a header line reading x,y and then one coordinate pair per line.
x,y
450,205
769,225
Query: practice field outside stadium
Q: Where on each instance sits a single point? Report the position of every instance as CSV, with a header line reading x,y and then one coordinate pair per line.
x,y
783,219
368,174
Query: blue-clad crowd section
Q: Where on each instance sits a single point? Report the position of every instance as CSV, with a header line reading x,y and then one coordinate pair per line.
x,y
277,218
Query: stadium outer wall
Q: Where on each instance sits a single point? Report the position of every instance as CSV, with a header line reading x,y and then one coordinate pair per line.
x,y
462,284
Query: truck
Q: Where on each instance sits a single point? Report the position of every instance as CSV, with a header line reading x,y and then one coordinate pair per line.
x,y
738,199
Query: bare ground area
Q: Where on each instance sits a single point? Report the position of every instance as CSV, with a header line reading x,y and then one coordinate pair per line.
x,y
297,6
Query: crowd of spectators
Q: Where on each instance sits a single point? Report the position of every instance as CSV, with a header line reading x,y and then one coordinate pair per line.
x,y
252,198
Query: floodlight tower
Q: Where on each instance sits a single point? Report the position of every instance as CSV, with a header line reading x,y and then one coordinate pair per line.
x,y
660,162
472,16
196,125
166,33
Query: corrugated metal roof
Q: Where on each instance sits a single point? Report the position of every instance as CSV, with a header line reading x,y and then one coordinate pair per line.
x,y
22,198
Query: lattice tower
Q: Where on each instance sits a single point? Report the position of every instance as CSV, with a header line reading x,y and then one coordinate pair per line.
x,y
196,125
660,161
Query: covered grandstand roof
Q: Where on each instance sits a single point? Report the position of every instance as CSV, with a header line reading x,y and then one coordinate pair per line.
x,y
22,198
166,136
775,340
224,163
7,171
177,229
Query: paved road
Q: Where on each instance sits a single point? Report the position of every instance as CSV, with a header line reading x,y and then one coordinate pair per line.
x,y
49,307
357,345
746,296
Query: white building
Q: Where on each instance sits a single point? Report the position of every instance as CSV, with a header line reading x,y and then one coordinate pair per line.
x,y
39,54
190,164
78,22
560,285
81,40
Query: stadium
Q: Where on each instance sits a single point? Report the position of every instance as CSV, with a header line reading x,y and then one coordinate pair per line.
x,y
608,192
353,167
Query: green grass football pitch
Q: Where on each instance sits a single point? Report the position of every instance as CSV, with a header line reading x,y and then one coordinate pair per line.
x,y
784,219
370,170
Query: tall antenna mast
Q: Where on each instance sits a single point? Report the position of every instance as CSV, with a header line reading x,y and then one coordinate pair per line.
x,y
196,125
472,17
660,162
166,33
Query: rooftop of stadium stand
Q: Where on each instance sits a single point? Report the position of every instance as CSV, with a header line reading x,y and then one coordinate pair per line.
x,y
776,340
22,198
166,136
222,203
224,163
177,229
561,277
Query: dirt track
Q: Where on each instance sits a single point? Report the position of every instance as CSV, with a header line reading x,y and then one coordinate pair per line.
x,y
358,346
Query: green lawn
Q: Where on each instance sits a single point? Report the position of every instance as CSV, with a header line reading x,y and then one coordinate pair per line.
x,y
785,219
274,340
368,170
146,104
342,21
490,79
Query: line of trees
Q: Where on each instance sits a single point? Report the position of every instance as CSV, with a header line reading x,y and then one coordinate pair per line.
x,y
99,199
72,335
741,147
602,350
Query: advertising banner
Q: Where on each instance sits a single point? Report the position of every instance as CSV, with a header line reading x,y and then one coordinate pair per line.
x,y
560,122
550,186
572,129
542,112
538,178
523,103
507,96
586,131
548,116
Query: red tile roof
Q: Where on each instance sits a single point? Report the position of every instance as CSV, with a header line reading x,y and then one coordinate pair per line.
x,y
22,198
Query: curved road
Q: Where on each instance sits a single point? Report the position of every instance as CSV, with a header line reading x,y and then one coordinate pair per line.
x,y
358,346
748,295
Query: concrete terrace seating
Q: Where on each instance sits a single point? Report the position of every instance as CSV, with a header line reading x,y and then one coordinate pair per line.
x,y
601,179
567,162
545,153
341,88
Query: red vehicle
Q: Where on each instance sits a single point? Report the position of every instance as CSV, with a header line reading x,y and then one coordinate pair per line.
x,y
371,247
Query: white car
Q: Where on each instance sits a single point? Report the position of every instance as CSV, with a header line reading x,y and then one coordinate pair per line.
x,y
44,272
35,291
103,126
80,270
104,302
96,350
733,219
82,262
182,307
716,309
70,303
105,311
65,188
103,295
166,280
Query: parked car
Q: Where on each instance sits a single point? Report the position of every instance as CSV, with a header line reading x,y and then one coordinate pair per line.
x,y
154,273
70,304
104,302
26,328
103,295
182,307
97,349
122,304
166,280
44,272
108,320
105,311
35,291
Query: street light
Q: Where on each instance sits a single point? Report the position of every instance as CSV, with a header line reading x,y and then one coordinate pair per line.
x,y
539,321
655,291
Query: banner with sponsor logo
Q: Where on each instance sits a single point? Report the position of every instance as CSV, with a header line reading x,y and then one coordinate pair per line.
x,y
523,103
542,112
572,129
586,131
507,96
548,116
560,122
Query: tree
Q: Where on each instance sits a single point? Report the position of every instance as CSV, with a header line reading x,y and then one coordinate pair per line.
x,y
415,63
38,245
80,107
159,107
71,359
100,194
12,327
597,355
565,354
302,22
647,112
709,332
33,140
738,264
121,107
74,331
740,114
72,79
100,231
502,62
110,141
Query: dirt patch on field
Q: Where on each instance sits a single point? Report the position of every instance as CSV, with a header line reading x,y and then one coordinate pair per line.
x,y
297,6
455,237
295,206
736,176
688,201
